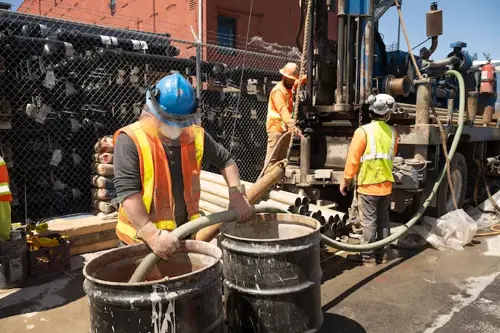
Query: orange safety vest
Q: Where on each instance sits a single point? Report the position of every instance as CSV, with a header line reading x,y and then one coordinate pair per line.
x,y
156,180
5,194
274,121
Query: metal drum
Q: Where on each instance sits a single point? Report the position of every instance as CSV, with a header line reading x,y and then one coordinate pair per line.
x,y
272,274
188,300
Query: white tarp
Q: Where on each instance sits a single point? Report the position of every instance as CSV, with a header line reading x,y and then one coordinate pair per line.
x,y
454,230
450,232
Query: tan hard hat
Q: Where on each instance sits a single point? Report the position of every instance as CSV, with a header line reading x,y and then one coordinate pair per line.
x,y
291,71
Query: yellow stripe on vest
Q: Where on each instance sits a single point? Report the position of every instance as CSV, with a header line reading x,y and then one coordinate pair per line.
x,y
199,143
149,172
130,231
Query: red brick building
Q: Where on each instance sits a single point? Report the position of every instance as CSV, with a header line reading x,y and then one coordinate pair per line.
x,y
225,21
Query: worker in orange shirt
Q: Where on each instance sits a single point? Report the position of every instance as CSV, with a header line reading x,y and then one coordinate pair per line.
x,y
370,160
280,106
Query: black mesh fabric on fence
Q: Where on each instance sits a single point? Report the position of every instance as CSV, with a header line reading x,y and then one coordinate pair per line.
x,y
65,85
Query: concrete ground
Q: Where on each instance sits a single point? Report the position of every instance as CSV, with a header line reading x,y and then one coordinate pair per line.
x,y
417,292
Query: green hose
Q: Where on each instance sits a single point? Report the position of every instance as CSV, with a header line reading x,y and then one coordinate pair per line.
x,y
147,264
400,231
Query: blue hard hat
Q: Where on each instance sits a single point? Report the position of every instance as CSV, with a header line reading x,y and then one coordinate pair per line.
x,y
172,100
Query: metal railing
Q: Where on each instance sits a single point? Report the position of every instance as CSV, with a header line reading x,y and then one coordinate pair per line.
x,y
392,47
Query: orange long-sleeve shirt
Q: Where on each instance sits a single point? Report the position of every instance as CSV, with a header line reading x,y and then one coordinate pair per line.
x,y
356,150
282,103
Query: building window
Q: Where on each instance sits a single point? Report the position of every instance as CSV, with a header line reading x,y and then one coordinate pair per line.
x,y
226,31
112,6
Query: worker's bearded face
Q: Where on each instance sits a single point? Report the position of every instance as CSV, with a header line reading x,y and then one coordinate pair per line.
x,y
288,83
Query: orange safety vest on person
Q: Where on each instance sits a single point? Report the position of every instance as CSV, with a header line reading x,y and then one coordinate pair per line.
x,y
275,110
5,194
156,180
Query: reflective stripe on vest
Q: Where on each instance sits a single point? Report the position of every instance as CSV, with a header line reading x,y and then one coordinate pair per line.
x,y
377,159
157,198
371,142
148,182
4,189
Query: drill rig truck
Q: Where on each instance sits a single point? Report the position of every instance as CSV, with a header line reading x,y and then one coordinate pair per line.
x,y
342,74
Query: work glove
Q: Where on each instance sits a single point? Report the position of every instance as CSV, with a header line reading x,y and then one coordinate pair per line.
x,y
238,202
161,242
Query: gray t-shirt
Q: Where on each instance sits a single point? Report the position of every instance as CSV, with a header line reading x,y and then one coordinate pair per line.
x,y
127,176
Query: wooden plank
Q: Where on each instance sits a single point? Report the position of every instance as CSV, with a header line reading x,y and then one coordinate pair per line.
x,y
93,238
81,225
94,247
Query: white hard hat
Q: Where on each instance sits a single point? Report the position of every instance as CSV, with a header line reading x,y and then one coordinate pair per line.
x,y
382,104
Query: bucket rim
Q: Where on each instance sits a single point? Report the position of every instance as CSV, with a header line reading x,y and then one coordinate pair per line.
x,y
281,217
189,246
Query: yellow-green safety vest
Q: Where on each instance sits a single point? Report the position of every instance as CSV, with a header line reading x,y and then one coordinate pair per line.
x,y
377,159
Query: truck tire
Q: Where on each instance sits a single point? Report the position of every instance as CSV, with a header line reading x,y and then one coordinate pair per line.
x,y
444,201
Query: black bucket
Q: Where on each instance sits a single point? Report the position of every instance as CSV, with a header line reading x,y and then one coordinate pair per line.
x,y
272,274
189,300
13,272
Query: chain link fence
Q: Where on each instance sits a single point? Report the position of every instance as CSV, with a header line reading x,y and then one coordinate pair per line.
x,y
65,85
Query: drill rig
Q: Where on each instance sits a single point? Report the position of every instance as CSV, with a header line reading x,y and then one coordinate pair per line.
x,y
341,76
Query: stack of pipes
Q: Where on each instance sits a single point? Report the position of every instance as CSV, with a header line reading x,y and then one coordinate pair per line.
x,y
214,197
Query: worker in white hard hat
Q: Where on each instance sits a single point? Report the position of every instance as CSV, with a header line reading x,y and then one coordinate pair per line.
x,y
280,107
370,160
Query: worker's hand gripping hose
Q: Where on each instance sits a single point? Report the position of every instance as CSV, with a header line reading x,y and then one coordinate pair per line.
x,y
189,228
400,231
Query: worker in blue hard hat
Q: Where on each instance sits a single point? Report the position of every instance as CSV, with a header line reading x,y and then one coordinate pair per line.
x,y
157,165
